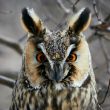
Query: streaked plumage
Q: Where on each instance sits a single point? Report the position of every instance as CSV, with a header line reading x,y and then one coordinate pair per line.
x,y
56,72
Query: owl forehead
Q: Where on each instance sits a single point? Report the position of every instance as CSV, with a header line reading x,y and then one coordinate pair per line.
x,y
56,45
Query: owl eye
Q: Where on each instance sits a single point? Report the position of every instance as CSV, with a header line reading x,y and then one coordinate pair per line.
x,y
72,57
41,57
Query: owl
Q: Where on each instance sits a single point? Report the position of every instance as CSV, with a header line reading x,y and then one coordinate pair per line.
x,y
56,72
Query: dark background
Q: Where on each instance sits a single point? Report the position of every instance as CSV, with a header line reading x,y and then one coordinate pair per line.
x,y
54,14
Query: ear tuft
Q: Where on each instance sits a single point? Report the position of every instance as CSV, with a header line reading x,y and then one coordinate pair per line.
x,y
80,21
31,21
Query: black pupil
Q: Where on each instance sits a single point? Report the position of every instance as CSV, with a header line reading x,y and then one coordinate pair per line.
x,y
70,57
42,58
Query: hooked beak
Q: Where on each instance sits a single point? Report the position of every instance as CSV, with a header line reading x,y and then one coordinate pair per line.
x,y
57,73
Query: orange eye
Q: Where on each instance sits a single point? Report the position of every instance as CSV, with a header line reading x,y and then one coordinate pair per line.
x,y
72,57
41,57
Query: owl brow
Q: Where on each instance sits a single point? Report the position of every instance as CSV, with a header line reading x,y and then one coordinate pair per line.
x,y
71,47
42,47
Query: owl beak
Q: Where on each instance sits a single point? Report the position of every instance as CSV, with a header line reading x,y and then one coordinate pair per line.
x,y
56,74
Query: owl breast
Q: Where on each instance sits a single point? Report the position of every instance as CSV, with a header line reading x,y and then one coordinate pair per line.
x,y
54,97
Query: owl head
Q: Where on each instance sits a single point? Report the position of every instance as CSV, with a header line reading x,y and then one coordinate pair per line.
x,y
56,56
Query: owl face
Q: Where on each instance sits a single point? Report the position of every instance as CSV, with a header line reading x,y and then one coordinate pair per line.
x,y
58,57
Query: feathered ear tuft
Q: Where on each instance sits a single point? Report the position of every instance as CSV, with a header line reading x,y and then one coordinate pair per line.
x,y
80,21
31,21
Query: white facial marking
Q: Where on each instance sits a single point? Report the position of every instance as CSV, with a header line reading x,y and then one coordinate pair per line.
x,y
41,45
79,83
58,86
67,53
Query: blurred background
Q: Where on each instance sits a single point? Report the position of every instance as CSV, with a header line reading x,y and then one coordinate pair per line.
x,y
54,14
